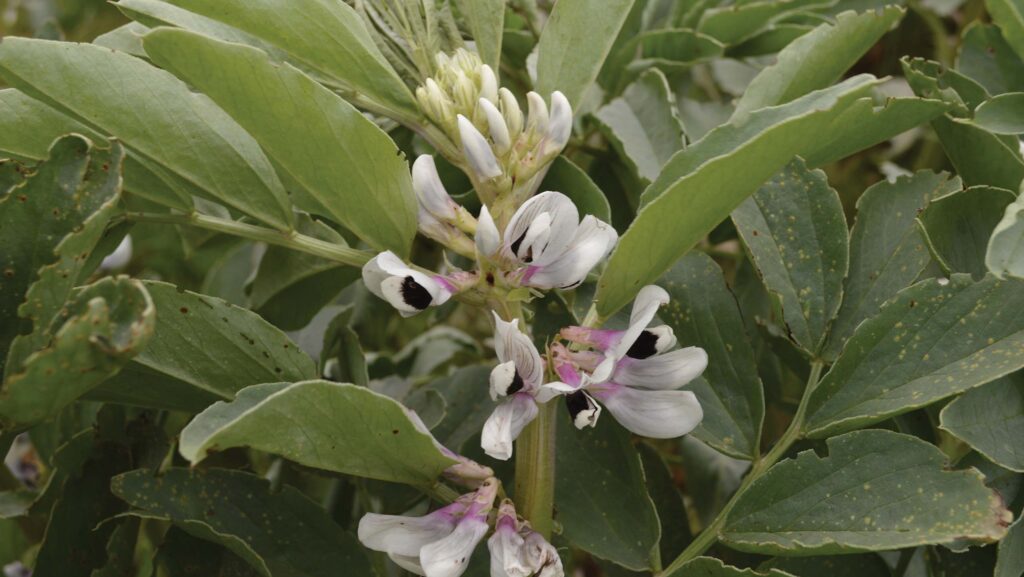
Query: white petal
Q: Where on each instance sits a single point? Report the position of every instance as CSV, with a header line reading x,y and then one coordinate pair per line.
x,y
655,414
645,307
583,410
496,126
536,239
429,190
404,535
385,274
555,389
667,371
537,121
502,377
121,256
591,243
542,556
449,557
560,127
511,111
604,370
488,83
505,423
666,338
564,220
506,548
410,563
477,151
512,345
488,239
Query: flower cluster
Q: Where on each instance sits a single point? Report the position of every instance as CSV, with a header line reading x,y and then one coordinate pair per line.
x,y
521,243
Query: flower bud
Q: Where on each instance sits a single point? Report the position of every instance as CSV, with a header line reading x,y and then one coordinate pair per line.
x,y
488,239
560,125
512,113
477,151
537,122
488,84
430,192
496,125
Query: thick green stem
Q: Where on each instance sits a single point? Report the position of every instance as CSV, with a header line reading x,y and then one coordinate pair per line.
x,y
293,240
710,534
535,470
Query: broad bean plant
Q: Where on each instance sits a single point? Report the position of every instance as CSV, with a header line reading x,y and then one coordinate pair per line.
x,y
694,288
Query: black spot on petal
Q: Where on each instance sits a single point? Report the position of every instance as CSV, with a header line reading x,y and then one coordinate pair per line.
x,y
516,386
415,295
646,345
577,403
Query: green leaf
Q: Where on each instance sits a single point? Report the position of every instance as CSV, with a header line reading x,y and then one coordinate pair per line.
x,y
565,177
342,356
1009,16
182,555
733,23
795,231
184,133
1003,114
710,567
600,494
322,35
1010,562
343,159
991,419
932,340
770,40
874,491
486,19
53,218
703,312
671,50
106,324
1005,253
988,59
120,550
280,533
28,128
864,125
291,287
887,251
865,565
574,44
958,226
702,184
126,38
979,156
467,405
817,59
668,501
643,124
333,426
204,350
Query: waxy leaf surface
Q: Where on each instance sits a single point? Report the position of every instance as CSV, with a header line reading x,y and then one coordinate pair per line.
x,y
990,418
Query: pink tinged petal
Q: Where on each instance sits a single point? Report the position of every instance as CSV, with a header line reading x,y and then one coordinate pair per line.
x,y
510,344
449,557
496,125
600,339
560,124
654,414
430,192
488,239
477,151
505,424
590,244
667,371
507,552
645,308
406,535
564,220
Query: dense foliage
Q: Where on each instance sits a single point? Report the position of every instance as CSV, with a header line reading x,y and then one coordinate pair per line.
x,y
677,288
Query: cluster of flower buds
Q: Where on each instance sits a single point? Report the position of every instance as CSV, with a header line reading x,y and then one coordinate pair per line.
x,y
441,543
505,152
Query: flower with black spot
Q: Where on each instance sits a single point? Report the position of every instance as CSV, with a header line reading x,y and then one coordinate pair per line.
x,y
408,290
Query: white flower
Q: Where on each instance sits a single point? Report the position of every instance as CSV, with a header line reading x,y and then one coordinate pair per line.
x,y
559,125
519,551
637,378
477,151
438,544
430,192
408,290
517,378
555,247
